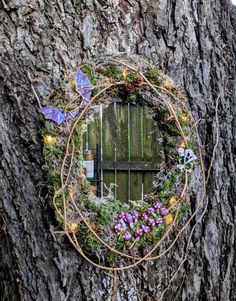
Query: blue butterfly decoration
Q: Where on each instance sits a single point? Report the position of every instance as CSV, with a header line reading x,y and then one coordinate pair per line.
x,y
57,114
84,87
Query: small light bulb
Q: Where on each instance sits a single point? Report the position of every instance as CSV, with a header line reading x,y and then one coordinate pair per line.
x,y
184,118
173,200
124,73
183,144
168,219
168,84
73,85
73,227
49,139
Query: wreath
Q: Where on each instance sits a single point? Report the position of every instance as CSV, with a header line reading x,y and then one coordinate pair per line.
x,y
104,229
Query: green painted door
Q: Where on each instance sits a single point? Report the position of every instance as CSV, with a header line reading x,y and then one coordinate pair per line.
x,y
130,149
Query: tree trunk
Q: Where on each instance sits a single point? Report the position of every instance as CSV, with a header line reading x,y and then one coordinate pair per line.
x,y
192,41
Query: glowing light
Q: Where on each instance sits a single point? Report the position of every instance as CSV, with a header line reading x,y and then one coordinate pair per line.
x,y
183,144
184,117
169,219
168,84
124,73
233,2
73,227
73,84
49,139
173,200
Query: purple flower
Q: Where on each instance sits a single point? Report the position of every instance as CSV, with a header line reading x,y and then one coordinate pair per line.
x,y
145,197
157,205
151,223
121,215
151,211
164,211
131,225
128,218
138,232
135,214
118,227
144,216
145,228
123,224
159,220
127,236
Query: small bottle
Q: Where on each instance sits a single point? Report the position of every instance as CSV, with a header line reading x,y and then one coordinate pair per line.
x,y
88,156
89,164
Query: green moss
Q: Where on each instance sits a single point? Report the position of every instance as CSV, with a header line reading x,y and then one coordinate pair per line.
x,y
111,256
53,181
85,186
107,210
154,236
183,210
171,129
91,242
51,151
89,70
113,72
44,130
131,77
78,140
136,97
154,76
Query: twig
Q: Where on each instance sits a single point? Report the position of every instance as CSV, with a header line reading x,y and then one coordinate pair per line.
x,y
32,87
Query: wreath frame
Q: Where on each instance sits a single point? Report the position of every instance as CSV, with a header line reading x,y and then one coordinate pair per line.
x,y
169,95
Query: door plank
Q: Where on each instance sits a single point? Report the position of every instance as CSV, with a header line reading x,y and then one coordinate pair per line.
x,y
135,185
135,133
122,180
151,149
151,134
94,134
122,149
148,178
108,178
108,133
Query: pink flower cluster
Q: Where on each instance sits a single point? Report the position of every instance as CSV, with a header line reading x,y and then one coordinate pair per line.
x,y
147,221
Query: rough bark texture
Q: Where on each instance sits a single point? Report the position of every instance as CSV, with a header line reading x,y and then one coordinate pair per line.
x,y
194,42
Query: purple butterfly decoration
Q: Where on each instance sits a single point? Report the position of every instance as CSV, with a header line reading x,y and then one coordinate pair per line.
x,y
58,115
83,86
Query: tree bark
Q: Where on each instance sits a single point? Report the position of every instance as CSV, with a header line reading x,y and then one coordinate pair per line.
x,y
192,41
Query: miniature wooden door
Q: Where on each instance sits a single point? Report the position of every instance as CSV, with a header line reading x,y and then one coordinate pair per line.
x,y
126,143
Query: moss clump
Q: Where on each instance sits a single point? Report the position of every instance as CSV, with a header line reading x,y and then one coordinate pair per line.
x,y
154,76
53,181
136,97
131,77
91,242
89,70
51,151
113,72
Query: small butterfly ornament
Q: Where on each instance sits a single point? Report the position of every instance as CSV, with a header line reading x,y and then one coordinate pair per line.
x,y
186,156
83,86
57,114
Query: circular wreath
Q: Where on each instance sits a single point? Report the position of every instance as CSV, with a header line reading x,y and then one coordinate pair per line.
x,y
106,229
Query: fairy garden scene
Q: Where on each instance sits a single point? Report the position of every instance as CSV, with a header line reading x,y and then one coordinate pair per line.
x,y
122,160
